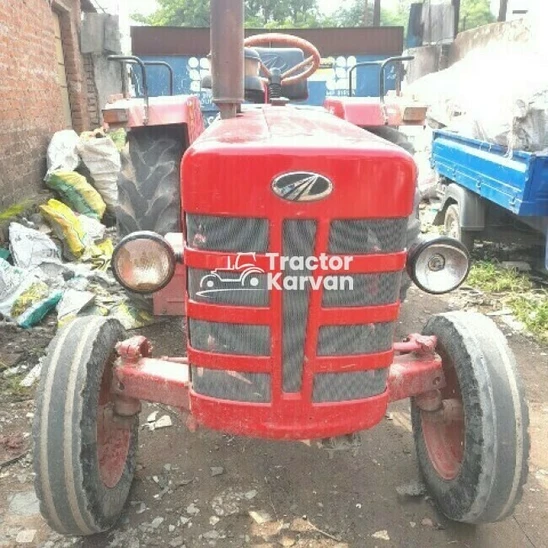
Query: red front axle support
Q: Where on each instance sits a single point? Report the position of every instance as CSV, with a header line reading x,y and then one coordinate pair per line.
x,y
416,370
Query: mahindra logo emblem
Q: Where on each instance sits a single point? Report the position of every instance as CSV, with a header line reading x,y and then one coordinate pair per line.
x,y
302,186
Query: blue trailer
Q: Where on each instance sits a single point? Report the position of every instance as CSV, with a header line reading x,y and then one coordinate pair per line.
x,y
487,190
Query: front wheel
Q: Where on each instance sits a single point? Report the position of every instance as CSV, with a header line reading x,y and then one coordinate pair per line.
x,y
473,454
84,456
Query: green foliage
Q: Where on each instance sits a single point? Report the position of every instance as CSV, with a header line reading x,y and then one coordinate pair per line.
x,y
178,13
475,13
353,14
269,14
259,13
515,291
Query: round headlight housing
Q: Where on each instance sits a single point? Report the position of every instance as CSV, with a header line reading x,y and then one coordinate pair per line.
x,y
438,265
144,262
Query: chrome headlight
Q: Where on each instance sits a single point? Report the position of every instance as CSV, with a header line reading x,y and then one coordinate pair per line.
x,y
438,265
144,262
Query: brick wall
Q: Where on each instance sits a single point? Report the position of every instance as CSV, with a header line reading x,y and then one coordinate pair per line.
x,y
31,107
95,116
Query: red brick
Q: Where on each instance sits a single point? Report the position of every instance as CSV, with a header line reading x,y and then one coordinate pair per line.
x,y
31,108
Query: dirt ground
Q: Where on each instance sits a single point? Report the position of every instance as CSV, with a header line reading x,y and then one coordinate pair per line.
x,y
198,489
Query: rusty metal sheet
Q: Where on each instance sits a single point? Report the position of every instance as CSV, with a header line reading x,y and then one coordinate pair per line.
x,y
165,41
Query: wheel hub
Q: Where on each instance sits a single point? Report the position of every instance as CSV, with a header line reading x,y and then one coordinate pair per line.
x,y
113,436
443,427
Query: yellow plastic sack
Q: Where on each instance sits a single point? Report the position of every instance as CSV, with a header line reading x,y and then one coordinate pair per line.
x,y
99,255
78,193
66,226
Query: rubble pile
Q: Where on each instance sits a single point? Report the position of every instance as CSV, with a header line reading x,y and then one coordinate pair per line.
x,y
57,259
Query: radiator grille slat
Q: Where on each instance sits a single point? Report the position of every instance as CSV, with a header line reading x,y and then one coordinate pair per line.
x,y
235,339
230,338
348,340
298,241
369,290
367,236
231,234
337,387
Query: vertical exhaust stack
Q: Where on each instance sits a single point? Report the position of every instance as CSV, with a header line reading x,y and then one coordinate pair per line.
x,y
227,55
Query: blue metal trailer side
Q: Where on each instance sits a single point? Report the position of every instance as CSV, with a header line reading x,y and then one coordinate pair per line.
x,y
478,176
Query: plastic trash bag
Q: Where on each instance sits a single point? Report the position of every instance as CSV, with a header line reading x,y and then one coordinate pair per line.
x,y
24,298
67,227
101,157
72,303
31,248
77,193
62,154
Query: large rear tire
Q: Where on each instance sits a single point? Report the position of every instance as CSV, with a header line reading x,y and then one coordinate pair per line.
x,y
84,456
413,224
149,182
474,460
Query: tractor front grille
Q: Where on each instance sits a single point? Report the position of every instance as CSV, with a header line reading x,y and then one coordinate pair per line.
x,y
367,236
231,234
298,241
369,290
299,238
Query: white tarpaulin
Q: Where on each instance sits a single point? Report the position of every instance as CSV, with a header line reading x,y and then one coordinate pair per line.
x,y
497,94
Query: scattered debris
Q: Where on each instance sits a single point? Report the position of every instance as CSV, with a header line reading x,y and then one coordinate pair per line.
x,y
192,510
156,522
227,503
163,422
213,520
413,489
287,542
176,542
24,504
32,376
260,517
250,495
381,535
217,471
25,537
427,522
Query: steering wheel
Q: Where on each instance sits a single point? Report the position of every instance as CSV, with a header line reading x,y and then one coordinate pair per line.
x,y
288,40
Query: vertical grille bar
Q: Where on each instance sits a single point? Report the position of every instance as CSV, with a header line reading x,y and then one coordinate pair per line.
x,y
298,241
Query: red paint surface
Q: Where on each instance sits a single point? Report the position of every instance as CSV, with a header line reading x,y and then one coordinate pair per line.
x,y
163,111
228,172
364,111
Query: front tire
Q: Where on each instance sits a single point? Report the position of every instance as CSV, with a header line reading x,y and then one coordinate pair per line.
x,y
84,458
474,466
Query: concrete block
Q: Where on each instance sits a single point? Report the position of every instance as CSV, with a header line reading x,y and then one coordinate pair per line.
x,y
113,37
93,33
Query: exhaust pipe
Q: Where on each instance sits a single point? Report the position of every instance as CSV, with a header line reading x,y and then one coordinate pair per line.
x,y
227,55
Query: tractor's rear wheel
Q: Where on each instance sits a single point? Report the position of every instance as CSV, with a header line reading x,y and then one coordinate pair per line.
x,y
149,182
413,225
473,451
84,455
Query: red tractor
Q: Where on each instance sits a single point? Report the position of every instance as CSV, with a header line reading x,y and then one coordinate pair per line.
x,y
318,208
